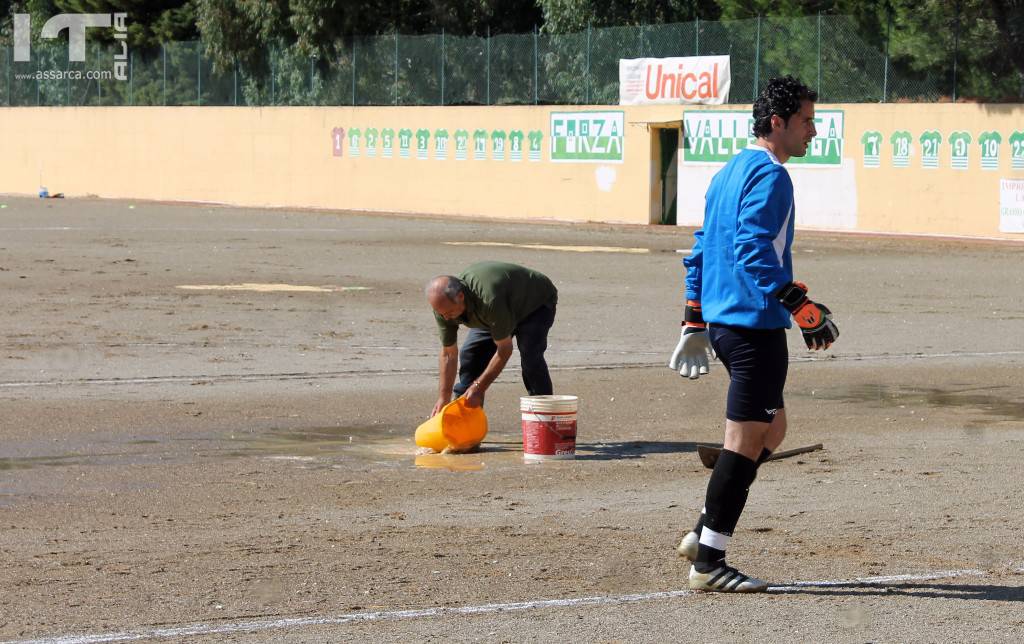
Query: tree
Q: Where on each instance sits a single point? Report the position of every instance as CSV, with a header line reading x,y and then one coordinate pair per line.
x,y
1009,18
986,38
150,22
565,16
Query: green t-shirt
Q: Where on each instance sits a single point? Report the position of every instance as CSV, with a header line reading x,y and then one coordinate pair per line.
x,y
535,137
900,141
872,142
1016,142
422,139
960,143
498,297
461,144
515,144
371,141
990,142
479,144
930,142
353,141
441,143
498,144
404,139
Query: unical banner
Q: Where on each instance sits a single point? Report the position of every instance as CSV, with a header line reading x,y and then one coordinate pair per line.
x,y
695,80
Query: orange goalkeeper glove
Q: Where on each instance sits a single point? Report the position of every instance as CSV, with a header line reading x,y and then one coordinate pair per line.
x,y
814,320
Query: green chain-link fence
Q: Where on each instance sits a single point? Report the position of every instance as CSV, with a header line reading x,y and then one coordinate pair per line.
x,y
510,69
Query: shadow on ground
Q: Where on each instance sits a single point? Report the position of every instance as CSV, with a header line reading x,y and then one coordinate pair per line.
x,y
606,451
985,592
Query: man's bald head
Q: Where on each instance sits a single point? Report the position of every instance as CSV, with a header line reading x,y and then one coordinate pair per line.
x,y
446,296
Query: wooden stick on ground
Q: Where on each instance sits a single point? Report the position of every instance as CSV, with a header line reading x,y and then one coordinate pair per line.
x,y
709,453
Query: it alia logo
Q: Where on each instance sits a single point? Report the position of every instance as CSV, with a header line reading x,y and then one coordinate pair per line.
x,y
76,24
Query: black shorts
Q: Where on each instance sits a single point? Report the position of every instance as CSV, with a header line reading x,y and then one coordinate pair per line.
x,y
757,361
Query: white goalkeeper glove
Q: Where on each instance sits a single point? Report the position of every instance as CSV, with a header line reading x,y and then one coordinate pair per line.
x,y
693,354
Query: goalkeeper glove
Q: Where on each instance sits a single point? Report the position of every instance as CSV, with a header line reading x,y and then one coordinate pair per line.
x,y
691,357
814,320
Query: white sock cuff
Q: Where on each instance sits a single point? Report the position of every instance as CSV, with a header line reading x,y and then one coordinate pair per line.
x,y
716,540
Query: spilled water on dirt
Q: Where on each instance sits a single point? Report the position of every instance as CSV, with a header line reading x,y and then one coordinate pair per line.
x,y
326,441
30,462
997,404
325,447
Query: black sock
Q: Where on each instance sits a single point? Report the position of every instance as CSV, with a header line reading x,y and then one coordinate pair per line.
x,y
765,453
726,496
708,558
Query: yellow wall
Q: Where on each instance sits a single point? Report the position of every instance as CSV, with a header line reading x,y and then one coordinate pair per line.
x,y
940,200
888,198
284,157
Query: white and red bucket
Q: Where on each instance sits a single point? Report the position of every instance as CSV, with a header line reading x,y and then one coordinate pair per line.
x,y
549,427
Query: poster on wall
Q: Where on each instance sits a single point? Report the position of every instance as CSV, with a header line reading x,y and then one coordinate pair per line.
x,y
1011,205
337,141
900,140
826,184
931,142
498,138
959,150
693,80
535,137
372,136
354,134
990,143
1016,141
871,142
587,137
715,136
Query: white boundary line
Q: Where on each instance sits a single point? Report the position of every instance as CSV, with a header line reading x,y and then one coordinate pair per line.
x,y
328,375
258,625
846,232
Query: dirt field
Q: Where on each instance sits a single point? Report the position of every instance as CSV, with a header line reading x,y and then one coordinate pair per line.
x,y
238,465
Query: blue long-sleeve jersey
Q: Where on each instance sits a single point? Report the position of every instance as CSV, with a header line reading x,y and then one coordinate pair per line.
x,y
742,256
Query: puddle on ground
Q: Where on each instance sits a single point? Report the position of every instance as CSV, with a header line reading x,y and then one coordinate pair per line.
x,y
321,444
451,462
324,447
30,462
394,444
1008,407
310,445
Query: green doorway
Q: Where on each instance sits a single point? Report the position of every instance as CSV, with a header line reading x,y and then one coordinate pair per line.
x,y
667,158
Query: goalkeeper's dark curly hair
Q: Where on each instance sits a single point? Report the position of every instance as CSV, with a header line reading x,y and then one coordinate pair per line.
x,y
780,97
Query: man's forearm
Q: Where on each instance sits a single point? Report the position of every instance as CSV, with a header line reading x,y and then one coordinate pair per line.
x,y
447,370
493,370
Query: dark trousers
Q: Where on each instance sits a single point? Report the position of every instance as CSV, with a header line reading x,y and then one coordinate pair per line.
x,y
531,336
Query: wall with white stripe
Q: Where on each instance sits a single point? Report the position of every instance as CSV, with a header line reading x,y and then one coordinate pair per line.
x,y
946,169
939,169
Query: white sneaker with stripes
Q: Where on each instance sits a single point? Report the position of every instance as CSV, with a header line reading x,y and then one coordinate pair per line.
x,y
725,579
688,546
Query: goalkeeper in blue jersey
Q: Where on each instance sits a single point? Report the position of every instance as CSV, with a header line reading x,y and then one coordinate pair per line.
x,y
740,297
